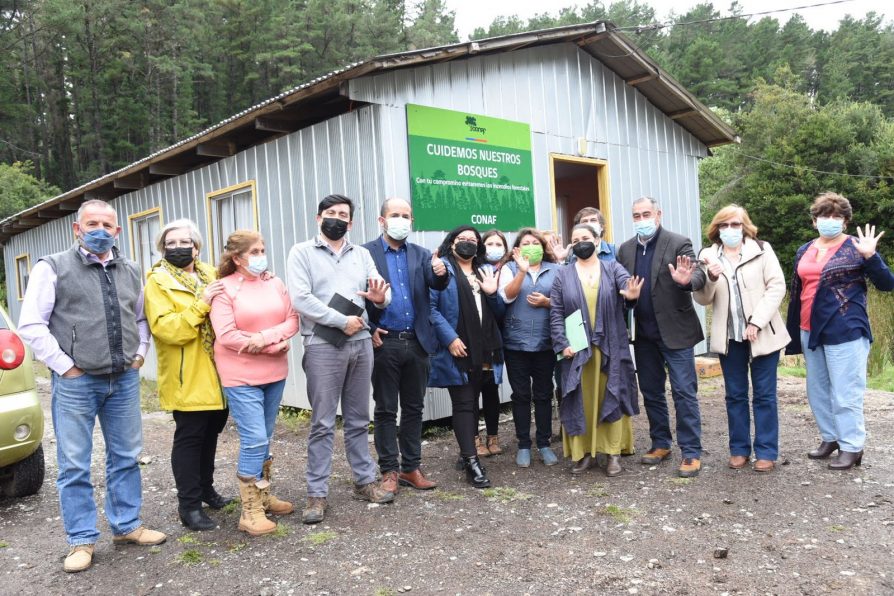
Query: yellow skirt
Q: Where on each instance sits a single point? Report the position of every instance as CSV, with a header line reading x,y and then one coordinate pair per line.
x,y
613,438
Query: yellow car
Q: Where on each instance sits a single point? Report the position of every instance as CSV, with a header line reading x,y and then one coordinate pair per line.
x,y
21,417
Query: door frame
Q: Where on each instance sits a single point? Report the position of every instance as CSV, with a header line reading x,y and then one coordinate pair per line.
x,y
602,183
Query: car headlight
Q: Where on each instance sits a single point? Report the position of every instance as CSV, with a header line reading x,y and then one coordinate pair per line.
x,y
22,432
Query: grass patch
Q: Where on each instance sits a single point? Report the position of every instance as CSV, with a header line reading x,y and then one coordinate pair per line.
x,y
837,528
383,592
281,531
189,557
681,481
434,430
883,381
598,490
294,419
214,562
154,550
318,538
619,514
505,494
149,396
235,548
188,539
4,544
446,495
231,507
793,371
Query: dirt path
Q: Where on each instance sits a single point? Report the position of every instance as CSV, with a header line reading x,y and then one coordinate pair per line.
x,y
801,530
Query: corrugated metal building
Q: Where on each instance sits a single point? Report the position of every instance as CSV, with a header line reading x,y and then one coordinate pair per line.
x,y
607,126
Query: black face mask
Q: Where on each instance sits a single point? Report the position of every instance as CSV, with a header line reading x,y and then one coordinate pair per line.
x,y
584,250
179,257
334,228
465,249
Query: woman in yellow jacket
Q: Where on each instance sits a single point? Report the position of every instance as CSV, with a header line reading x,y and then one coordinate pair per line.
x,y
178,296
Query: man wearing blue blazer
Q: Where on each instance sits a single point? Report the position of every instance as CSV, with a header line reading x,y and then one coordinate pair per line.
x,y
403,338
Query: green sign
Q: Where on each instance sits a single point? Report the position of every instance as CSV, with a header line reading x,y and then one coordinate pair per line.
x,y
469,169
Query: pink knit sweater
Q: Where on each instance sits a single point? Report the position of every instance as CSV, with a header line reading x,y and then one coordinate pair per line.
x,y
245,307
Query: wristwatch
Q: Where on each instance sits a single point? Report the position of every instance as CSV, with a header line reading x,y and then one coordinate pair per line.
x,y
139,359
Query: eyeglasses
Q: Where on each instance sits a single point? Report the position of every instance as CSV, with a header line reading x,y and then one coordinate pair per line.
x,y
730,224
187,243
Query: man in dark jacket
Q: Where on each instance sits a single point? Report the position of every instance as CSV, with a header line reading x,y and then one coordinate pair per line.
x,y
403,338
666,328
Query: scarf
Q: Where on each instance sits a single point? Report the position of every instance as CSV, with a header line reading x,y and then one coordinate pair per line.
x,y
206,332
481,335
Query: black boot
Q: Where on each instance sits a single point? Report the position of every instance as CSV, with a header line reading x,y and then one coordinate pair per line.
x,y
824,450
196,520
846,460
214,500
475,472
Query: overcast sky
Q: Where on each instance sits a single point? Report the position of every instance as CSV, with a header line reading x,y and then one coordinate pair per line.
x,y
475,13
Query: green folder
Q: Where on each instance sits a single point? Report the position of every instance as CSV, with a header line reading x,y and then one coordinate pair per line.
x,y
575,332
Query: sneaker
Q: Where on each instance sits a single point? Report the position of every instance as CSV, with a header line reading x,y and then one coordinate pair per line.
x,y
372,492
80,558
142,536
314,511
655,456
523,458
548,456
689,468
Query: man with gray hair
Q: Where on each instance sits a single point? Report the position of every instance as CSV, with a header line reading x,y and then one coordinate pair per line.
x,y
665,332
83,317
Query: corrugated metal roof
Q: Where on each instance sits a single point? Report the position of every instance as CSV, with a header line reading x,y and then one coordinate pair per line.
x,y
599,39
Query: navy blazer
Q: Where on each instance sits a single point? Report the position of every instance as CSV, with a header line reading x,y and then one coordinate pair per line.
x,y
423,278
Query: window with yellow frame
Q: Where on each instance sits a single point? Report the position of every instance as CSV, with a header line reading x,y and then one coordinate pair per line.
x,y
230,209
144,229
23,272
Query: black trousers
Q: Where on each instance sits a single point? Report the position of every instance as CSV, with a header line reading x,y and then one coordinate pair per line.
x,y
464,399
399,378
192,455
531,377
490,402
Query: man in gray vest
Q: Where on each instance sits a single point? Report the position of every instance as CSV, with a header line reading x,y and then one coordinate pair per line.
x,y
83,317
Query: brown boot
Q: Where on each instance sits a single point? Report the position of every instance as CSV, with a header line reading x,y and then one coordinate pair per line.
x,y
389,481
273,505
480,448
253,519
493,445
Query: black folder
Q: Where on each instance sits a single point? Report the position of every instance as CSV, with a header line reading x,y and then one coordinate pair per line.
x,y
334,335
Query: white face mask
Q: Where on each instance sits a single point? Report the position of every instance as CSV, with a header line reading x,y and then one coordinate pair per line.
x,y
398,228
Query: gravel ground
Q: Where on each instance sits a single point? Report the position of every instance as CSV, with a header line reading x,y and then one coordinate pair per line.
x,y
801,530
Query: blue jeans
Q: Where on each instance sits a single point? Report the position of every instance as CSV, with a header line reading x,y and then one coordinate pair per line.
x,y
735,367
254,408
836,381
77,402
651,358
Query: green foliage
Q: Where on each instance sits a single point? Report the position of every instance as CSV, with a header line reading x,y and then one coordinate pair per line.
x,y
320,538
19,189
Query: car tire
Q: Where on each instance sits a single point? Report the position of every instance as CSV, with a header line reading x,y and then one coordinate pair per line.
x,y
27,475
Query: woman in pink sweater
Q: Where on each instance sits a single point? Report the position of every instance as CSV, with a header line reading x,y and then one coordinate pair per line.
x,y
253,320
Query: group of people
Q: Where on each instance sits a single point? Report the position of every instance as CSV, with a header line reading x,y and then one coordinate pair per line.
x,y
392,316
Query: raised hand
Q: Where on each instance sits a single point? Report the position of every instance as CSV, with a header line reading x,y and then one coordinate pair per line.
x,y
867,241
489,282
520,260
713,267
457,348
634,285
539,300
376,289
682,273
559,251
437,265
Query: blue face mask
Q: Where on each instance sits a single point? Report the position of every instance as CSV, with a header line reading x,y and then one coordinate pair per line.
x,y
731,237
829,227
257,264
645,227
99,242
494,253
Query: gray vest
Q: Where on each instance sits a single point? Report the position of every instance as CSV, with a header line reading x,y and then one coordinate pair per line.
x,y
525,327
94,318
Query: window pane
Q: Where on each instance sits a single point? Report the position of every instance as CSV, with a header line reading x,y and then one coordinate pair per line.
x,y
24,274
145,230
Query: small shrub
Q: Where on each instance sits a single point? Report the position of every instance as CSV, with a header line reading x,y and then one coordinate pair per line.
x,y
620,514
189,557
318,538
504,494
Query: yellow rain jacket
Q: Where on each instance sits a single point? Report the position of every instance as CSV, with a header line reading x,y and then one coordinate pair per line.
x,y
187,377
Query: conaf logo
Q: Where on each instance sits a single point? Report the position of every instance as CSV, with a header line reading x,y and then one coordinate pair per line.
x,y
472,123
